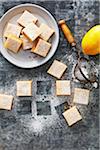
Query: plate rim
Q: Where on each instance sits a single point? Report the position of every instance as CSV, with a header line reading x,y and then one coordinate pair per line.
x,y
55,21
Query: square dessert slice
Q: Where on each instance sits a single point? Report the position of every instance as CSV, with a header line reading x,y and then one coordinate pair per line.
x,y
6,101
31,31
63,87
12,29
72,115
26,18
47,32
24,88
81,96
13,43
42,48
57,69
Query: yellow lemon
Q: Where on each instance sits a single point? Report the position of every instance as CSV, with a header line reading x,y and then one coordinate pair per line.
x,y
91,41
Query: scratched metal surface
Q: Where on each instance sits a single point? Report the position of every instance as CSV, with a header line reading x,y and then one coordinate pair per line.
x,y
36,123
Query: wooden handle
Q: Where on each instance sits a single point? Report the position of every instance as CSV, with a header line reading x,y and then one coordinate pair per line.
x,y
67,32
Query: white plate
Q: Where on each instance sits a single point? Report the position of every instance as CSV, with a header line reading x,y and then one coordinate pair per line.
x,y
26,59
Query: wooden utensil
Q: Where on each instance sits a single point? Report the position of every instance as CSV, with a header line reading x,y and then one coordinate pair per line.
x,y
67,32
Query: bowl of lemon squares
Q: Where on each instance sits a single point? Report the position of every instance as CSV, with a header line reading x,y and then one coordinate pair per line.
x,y
29,35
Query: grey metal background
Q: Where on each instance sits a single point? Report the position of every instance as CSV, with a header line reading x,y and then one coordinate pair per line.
x,y
36,123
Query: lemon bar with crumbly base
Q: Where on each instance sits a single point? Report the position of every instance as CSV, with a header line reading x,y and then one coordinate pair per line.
x,y
24,88
26,18
31,31
42,48
13,43
6,101
63,87
47,32
12,29
57,69
81,96
72,116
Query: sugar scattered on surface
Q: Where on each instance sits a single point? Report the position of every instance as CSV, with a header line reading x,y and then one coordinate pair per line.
x,y
39,124
36,125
